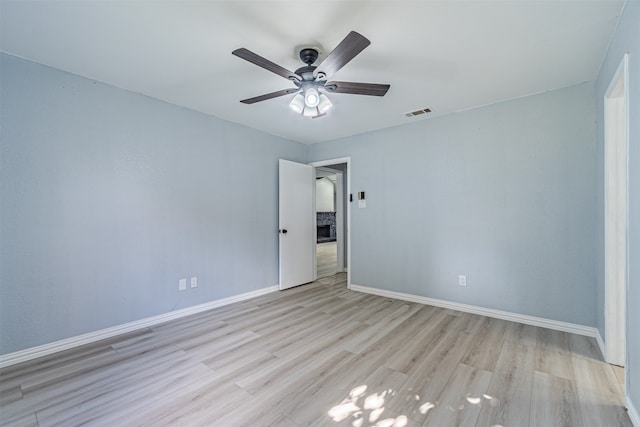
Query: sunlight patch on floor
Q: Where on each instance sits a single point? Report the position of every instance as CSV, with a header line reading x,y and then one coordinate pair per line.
x,y
366,407
362,407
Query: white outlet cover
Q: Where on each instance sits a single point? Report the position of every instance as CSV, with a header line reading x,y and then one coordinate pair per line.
x,y
194,282
182,284
462,280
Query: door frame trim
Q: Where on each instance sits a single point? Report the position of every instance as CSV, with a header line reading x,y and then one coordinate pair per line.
x,y
615,296
336,161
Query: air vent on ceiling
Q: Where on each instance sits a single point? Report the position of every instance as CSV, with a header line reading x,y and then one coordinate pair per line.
x,y
418,112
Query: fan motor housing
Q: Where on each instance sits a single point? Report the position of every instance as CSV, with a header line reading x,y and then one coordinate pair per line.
x,y
309,55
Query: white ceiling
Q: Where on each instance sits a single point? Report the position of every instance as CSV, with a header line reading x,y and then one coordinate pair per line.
x,y
445,55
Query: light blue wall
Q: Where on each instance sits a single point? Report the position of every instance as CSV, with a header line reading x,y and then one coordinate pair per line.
x,y
504,194
625,40
108,198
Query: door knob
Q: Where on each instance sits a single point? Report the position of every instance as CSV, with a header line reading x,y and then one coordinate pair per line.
x,y
283,231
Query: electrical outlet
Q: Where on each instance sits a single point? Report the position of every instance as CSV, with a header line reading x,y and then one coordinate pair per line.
x,y
182,284
194,282
462,280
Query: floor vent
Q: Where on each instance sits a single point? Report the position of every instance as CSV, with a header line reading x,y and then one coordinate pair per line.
x,y
418,112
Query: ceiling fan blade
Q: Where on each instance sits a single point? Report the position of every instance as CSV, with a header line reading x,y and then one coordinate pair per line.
x,y
372,89
258,60
348,48
269,96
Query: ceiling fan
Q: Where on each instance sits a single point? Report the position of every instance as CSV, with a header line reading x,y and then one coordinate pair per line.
x,y
311,85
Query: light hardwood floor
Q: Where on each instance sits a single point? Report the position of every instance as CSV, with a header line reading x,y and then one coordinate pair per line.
x,y
321,355
326,259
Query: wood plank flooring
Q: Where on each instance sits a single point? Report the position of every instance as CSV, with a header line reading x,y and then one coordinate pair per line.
x,y
326,259
321,355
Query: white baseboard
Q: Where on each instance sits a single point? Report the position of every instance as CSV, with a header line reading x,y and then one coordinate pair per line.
x,y
489,312
67,343
633,413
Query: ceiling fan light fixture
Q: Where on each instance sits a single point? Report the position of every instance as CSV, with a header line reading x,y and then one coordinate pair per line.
x,y
324,104
310,81
311,97
297,103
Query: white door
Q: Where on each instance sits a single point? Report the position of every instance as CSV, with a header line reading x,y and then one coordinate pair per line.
x,y
296,223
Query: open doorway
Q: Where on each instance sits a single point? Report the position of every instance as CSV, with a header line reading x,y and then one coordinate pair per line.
x,y
332,217
327,221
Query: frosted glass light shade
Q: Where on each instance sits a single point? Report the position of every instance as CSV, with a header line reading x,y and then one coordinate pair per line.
x,y
311,97
310,111
297,103
325,104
